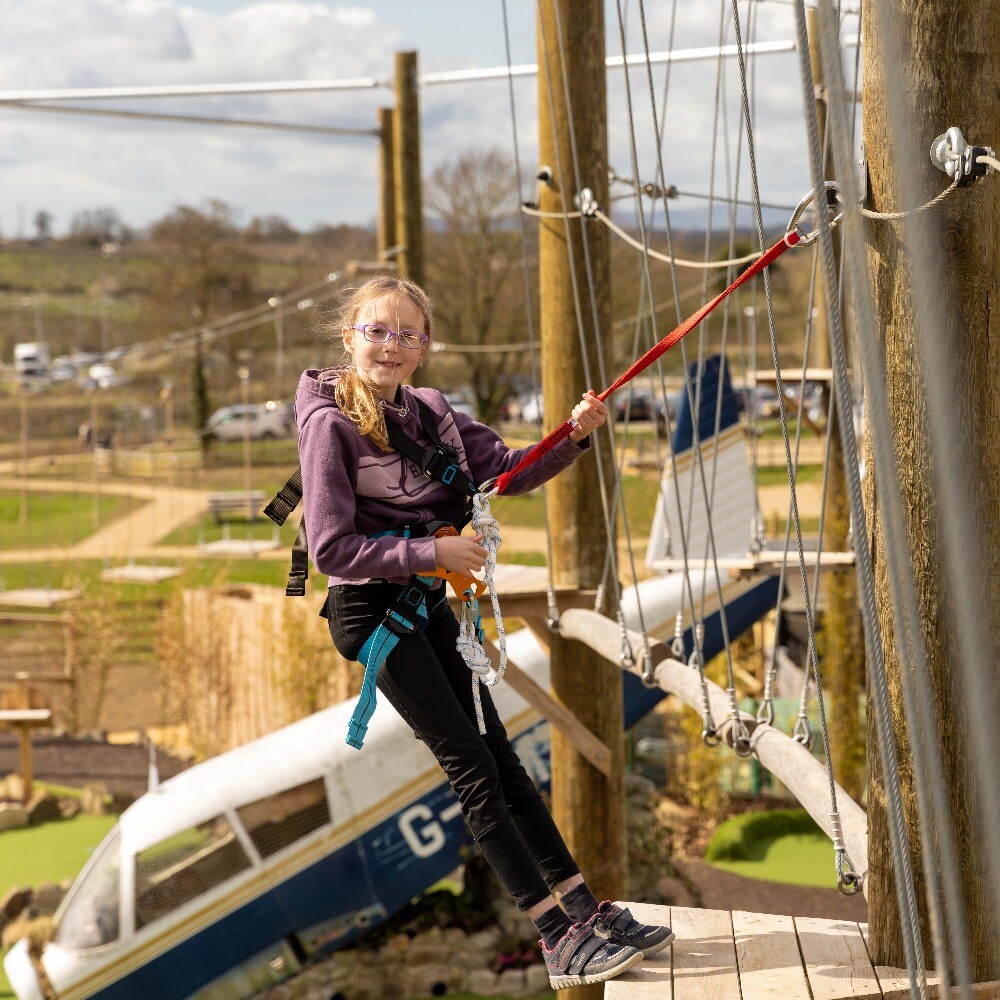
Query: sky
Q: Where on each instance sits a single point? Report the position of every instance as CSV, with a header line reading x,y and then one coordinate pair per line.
x,y
64,164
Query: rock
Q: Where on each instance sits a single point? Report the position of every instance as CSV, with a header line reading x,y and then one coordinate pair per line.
x,y
47,898
25,926
454,936
484,983
13,901
431,979
42,808
433,935
13,787
93,802
69,808
397,946
432,954
485,940
512,983
536,979
12,817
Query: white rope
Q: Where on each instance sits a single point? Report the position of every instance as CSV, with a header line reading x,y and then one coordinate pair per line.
x,y
468,643
891,216
699,265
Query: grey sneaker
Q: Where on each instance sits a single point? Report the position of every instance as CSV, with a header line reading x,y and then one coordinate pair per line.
x,y
617,925
582,957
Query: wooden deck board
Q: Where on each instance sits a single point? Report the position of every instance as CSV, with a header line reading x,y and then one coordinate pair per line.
x,y
755,956
768,955
651,979
836,959
704,955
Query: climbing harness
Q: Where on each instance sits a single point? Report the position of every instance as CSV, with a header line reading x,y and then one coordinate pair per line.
x,y
412,609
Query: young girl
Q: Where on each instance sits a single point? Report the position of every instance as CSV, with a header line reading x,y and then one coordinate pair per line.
x,y
365,505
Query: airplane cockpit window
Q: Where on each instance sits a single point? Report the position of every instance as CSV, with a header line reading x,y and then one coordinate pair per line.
x,y
281,819
182,867
89,917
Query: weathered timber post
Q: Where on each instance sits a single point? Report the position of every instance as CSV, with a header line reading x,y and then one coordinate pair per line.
x,y
386,234
589,808
406,170
946,76
841,645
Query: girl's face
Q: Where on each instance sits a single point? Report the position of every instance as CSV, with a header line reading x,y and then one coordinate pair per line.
x,y
386,365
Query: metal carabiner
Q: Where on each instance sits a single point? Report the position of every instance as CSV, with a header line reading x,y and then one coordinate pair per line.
x,y
832,189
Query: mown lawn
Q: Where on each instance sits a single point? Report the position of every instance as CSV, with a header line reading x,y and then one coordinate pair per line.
x,y
782,845
50,852
56,519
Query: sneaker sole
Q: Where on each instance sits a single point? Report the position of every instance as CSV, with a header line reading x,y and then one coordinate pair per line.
x,y
656,948
563,982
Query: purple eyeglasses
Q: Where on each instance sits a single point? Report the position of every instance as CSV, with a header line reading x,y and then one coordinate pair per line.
x,y
379,333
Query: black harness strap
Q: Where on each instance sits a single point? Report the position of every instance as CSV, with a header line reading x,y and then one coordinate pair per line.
x,y
439,462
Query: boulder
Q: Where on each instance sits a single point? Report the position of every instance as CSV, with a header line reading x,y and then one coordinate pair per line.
x,y
536,979
512,983
47,898
69,807
94,802
430,979
484,983
12,817
13,901
38,928
42,808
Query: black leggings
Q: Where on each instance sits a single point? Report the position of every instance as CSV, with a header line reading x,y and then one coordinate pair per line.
x,y
428,683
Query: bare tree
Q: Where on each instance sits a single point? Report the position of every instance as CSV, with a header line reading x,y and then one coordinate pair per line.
x,y
473,269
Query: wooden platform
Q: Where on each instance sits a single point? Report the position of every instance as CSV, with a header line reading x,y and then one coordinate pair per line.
x,y
722,955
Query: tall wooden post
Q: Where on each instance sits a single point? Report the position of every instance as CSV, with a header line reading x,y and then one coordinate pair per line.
x,y
386,234
588,808
949,66
406,170
842,645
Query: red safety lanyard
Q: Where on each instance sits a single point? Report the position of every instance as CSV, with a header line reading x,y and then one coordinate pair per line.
x,y
658,350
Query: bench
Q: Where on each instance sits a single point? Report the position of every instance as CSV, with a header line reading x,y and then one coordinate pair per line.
x,y
245,502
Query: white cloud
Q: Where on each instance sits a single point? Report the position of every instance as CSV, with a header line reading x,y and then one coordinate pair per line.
x,y
67,163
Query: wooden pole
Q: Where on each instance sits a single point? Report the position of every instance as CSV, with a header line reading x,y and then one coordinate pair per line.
x,y
406,170
841,643
945,78
22,699
386,234
588,807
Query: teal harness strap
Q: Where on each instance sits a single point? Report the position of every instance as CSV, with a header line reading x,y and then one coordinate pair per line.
x,y
408,616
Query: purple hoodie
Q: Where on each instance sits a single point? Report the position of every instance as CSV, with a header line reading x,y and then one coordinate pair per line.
x,y
351,489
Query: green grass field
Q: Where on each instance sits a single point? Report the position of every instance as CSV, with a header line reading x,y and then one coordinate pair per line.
x,y
50,852
47,853
781,845
56,519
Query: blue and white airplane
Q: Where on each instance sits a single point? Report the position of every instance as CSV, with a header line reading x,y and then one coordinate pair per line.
x,y
235,873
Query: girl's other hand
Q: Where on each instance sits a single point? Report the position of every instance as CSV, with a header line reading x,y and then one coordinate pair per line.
x,y
588,415
460,555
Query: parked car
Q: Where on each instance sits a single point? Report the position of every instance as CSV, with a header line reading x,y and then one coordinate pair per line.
x,y
259,421
460,403
101,376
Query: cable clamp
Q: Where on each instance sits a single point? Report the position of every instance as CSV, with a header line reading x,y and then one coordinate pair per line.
x,y
952,155
586,203
832,194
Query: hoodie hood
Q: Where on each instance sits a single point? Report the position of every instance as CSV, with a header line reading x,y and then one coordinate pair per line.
x,y
318,388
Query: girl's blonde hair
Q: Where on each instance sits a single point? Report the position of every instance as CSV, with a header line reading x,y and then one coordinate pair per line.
x,y
355,397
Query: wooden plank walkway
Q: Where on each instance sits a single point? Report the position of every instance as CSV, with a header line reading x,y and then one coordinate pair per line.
x,y
722,955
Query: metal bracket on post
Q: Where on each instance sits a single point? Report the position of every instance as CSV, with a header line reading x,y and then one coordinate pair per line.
x,y
952,155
